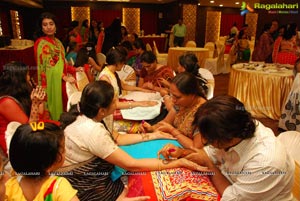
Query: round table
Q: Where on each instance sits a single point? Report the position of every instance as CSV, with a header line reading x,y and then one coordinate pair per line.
x,y
262,89
175,52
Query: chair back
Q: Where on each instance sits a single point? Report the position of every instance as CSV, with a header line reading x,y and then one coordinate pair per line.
x,y
191,43
101,58
82,80
291,140
211,47
74,99
210,81
162,58
155,50
148,47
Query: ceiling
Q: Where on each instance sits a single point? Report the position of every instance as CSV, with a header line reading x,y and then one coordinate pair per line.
x,y
225,3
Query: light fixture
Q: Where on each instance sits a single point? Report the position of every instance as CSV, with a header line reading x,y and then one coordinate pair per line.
x,y
212,1
199,4
237,3
221,5
115,0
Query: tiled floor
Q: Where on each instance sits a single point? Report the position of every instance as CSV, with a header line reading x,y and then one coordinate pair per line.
x,y
221,88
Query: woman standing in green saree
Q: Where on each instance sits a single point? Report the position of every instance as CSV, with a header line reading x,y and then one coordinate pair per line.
x,y
52,68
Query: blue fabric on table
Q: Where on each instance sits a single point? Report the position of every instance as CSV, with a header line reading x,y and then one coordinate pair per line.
x,y
147,149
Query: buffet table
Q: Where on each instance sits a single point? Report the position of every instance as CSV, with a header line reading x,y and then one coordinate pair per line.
x,y
159,40
24,54
263,88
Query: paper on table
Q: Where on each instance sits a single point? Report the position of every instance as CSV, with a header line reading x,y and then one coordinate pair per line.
x,y
142,96
142,113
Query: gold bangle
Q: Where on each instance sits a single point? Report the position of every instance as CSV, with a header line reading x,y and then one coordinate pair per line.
x,y
159,167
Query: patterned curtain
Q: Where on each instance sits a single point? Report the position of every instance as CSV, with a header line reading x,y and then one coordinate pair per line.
x,y
80,14
251,20
190,20
131,19
213,21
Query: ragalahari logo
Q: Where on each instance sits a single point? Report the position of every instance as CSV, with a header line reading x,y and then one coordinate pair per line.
x,y
245,8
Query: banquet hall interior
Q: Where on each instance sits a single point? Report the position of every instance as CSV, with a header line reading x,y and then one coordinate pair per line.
x,y
152,19
262,86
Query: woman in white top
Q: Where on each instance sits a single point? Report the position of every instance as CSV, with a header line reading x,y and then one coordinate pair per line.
x,y
116,59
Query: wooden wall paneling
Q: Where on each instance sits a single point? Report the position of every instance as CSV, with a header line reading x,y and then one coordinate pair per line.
x,y
190,21
212,28
131,19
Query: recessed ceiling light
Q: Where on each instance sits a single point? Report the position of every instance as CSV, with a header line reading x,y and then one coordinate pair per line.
x,y
212,1
221,5
237,3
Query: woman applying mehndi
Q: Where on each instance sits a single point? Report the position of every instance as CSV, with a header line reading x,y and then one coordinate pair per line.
x,y
187,97
92,149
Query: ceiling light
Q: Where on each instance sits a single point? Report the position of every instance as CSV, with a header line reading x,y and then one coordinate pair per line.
x,y
212,1
115,0
237,3
221,5
199,4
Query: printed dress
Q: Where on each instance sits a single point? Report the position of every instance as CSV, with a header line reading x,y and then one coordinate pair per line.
x,y
50,58
290,115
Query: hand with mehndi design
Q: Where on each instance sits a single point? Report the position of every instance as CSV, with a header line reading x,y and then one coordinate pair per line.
x,y
38,95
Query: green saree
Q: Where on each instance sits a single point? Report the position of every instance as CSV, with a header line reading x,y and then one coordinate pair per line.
x,y
50,58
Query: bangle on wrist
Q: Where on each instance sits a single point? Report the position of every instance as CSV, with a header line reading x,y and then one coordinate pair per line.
x,y
130,105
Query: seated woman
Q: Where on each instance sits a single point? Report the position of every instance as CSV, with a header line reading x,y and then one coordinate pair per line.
x,y
154,76
288,51
243,47
92,154
71,53
135,61
188,62
187,96
247,160
290,115
96,67
18,101
115,59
